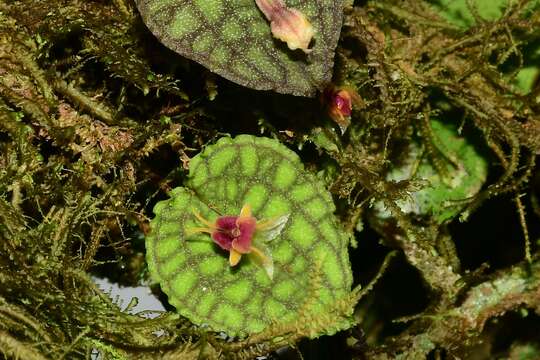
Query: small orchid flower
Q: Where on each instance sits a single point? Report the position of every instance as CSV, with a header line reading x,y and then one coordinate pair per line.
x,y
339,102
288,25
244,234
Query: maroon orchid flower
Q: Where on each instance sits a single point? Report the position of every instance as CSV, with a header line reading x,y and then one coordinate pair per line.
x,y
244,234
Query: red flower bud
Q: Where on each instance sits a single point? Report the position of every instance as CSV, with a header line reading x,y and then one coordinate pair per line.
x,y
339,102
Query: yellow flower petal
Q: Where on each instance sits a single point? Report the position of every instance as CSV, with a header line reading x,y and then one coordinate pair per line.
x,y
234,257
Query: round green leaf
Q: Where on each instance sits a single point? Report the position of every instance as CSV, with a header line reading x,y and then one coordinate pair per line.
x,y
233,39
311,265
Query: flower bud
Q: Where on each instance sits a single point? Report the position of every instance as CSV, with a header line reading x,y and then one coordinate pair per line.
x,y
288,25
339,102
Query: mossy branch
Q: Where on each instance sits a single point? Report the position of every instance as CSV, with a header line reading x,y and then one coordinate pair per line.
x,y
508,290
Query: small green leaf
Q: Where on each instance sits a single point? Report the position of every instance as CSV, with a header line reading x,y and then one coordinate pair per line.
x,y
242,300
233,39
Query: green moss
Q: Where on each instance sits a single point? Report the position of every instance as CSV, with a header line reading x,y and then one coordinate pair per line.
x,y
459,13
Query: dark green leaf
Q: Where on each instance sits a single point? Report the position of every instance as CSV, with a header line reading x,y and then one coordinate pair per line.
x,y
232,38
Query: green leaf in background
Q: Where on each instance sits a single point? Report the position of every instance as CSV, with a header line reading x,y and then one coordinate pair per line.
x,y
440,198
233,39
311,265
459,13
